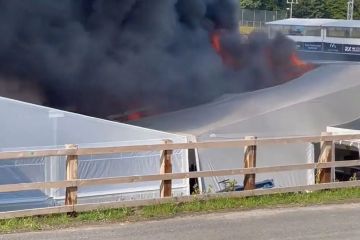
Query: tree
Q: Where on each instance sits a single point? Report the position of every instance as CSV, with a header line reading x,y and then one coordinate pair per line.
x,y
270,5
357,9
307,8
336,9
321,9
251,4
304,9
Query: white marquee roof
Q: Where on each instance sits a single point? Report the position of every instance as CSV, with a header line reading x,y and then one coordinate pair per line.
x,y
326,96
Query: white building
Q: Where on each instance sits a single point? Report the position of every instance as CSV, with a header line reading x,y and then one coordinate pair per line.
x,y
320,35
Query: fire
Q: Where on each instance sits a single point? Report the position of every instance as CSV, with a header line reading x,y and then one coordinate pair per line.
x,y
216,42
135,113
285,69
279,68
227,58
134,116
127,116
300,67
296,61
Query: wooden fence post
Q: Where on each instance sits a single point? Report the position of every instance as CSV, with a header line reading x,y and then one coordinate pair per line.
x,y
71,174
324,174
166,167
249,162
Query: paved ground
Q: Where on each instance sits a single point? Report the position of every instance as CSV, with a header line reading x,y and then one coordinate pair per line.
x,y
324,222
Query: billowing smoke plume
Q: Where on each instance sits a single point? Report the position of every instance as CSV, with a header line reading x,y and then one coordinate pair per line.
x,y
108,56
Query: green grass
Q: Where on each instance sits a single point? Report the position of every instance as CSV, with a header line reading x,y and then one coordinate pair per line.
x,y
174,209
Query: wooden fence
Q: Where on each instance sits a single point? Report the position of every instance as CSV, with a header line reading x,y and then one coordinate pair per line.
x,y
72,183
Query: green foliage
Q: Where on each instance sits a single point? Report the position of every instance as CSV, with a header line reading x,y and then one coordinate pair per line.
x,y
321,9
173,209
353,177
336,8
357,9
230,185
251,4
307,8
270,5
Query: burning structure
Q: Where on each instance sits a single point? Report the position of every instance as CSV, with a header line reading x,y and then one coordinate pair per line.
x,y
305,106
104,57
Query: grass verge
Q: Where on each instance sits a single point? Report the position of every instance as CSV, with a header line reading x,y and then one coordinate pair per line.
x,y
174,209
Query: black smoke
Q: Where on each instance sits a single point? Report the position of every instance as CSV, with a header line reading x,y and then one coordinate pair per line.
x,y
107,56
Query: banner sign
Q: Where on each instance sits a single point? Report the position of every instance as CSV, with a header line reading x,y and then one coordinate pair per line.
x,y
328,47
353,49
333,47
312,46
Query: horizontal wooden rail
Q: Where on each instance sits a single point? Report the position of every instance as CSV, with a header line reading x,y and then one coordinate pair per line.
x,y
36,212
173,146
37,185
172,176
139,203
323,168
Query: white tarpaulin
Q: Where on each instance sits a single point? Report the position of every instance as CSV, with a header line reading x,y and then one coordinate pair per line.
x,y
28,126
325,96
352,127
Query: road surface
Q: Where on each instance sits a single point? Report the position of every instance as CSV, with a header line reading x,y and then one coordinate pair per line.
x,y
319,222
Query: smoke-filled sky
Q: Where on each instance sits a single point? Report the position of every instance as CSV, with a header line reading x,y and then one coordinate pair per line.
x,y
106,56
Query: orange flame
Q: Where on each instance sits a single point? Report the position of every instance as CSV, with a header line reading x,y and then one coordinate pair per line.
x,y
216,42
226,57
299,67
134,116
300,64
293,67
296,61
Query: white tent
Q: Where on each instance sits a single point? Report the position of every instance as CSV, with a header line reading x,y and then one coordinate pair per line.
x,y
325,96
346,149
28,126
352,127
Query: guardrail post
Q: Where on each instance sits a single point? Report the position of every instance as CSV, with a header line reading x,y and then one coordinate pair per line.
x,y
166,167
249,162
71,174
324,174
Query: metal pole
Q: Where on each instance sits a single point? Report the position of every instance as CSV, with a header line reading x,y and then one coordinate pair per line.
x,y
350,10
242,17
265,15
254,19
292,2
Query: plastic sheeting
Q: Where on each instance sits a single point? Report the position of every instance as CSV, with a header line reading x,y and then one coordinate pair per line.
x,y
351,127
26,126
305,106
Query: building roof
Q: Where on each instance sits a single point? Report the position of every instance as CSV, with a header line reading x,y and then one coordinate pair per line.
x,y
316,22
303,21
343,23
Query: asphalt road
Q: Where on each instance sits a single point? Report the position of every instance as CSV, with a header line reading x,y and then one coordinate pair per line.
x,y
321,222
